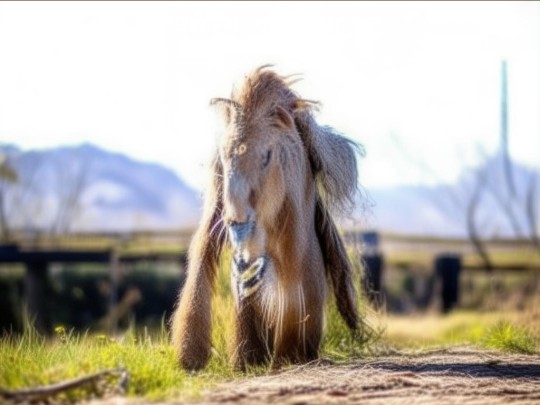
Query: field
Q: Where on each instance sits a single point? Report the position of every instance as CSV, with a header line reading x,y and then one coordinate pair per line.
x,y
32,360
464,356
488,351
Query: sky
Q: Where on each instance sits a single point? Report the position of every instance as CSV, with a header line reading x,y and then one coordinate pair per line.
x,y
418,84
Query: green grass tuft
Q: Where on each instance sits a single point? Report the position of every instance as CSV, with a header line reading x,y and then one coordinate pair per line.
x,y
508,337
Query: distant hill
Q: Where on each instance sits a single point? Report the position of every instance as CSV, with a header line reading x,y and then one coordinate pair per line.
x,y
85,188
108,191
441,210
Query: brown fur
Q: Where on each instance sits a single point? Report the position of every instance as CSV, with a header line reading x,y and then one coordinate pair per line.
x,y
276,167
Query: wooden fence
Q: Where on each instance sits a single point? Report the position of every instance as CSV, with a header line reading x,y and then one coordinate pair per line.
x,y
445,257
38,258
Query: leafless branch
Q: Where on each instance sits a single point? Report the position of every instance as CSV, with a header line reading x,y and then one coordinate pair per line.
x,y
71,185
471,221
531,210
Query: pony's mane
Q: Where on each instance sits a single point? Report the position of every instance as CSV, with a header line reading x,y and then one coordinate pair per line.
x,y
333,161
332,156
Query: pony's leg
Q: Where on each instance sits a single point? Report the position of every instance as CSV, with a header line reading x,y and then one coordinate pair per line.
x,y
315,297
192,319
301,332
191,322
298,341
290,347
314,331
251,345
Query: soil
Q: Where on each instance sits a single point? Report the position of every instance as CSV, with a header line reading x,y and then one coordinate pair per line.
x,y
451,376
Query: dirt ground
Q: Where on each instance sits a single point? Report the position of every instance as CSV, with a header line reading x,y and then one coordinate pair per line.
x,y
454,376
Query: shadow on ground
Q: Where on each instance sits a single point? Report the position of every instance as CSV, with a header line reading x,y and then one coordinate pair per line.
x,y
453,376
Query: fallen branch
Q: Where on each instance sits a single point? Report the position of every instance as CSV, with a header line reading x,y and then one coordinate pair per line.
x,y
39,393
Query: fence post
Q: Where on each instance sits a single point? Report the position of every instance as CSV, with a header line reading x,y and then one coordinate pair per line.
x,y
372,261
448,269
35,286
114,269
373,270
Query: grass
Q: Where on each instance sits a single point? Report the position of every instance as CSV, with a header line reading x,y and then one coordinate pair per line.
x,y
516,332
34,360
508,337
31,360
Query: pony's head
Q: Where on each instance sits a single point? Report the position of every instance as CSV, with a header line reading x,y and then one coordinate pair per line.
x,y
276,159
262,156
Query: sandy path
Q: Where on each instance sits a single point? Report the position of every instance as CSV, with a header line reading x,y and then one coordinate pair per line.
x,y
455,376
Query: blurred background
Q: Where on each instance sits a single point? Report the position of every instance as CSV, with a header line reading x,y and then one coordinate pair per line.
x,y
106,129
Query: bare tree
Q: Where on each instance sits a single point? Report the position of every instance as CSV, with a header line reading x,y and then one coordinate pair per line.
x,y
41,195
21,199
472,229
72,179
517,207
462,198
8,176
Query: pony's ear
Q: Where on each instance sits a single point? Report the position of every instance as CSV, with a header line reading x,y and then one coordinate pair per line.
x,y
303,105
226,107
282,119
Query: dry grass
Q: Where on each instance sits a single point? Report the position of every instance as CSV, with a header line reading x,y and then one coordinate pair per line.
x,y
517,331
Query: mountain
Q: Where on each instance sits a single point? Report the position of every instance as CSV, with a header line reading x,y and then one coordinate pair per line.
x,y
409,210
85,188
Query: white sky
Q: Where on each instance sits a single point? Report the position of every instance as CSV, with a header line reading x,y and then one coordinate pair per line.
x,y
137,77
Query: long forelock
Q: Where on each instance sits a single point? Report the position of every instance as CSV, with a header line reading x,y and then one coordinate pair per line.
x,y
262,90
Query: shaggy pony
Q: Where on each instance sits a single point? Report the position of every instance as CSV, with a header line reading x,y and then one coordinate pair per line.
x,y
277,179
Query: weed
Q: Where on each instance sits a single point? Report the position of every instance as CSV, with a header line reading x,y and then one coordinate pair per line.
x,y
505,331
508,337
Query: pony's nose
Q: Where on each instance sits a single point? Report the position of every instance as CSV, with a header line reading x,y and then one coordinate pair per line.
x,y
240,231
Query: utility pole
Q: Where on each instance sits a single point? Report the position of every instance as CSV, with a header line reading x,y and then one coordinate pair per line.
x,y
506,161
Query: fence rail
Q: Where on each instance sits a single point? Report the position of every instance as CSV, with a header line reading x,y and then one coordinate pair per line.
x,y
37,261
36,252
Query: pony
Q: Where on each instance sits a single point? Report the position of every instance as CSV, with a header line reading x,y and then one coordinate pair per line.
x,y
277,180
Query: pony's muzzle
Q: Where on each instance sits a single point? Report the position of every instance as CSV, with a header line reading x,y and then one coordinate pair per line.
x,y
239,232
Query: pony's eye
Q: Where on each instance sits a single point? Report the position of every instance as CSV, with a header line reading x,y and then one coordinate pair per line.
x,y
267,158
